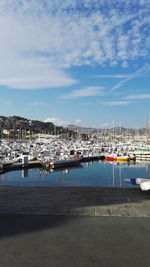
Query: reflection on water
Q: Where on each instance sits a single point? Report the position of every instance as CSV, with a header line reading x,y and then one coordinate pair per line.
x,y
96,173
24,173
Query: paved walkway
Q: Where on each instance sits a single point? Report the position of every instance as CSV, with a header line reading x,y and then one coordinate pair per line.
x,y
116,231
92,201
70,241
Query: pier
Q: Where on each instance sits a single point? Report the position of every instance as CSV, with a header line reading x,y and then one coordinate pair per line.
x,y
5,167
19,166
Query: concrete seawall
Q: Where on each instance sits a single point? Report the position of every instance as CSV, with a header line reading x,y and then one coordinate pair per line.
x,y
91,201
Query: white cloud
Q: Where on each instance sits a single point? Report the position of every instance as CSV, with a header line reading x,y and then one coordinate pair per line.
x,y
84,104
7,102
78,121
84,92
138,96
22,55
57,121
115,103
64,123
39,39
39,104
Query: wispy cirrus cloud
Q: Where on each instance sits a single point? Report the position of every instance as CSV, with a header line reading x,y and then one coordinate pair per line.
x,y
138,96
5,102
112,76
84,92
39,104
40,39
115,103
85,104
138,73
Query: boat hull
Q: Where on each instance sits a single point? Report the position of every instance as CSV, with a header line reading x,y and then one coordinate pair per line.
x,y
65,163
110,158
123,159
118,159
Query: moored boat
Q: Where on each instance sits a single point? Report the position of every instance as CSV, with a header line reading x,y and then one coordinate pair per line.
x,y
123,158
143,154
110,158
144,183
137,181
60,163
117,157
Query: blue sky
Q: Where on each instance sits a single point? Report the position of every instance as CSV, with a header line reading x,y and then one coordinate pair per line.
x,y
84,62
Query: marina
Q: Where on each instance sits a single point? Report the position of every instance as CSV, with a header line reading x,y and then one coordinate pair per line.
x,y
51,161
74,133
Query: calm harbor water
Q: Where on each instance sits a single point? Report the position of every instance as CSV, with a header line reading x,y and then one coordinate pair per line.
x,y
96,173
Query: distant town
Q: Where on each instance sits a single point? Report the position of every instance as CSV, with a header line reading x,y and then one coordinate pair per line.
x,y
20,128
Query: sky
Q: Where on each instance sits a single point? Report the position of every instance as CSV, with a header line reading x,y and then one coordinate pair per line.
x,y
83,62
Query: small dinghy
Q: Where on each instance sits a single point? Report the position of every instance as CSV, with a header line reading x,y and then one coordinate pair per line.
x,y
142,182
145,185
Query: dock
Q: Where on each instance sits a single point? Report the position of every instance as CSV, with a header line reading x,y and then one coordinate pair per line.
x,y
5,167
19,165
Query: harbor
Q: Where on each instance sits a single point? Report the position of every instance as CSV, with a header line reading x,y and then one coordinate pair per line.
x,y
74,133
102,175
64,177
49,160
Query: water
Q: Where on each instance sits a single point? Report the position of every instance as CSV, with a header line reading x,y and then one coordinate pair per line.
x,y
96,173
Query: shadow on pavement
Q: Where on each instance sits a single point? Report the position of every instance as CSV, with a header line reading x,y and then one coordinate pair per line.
x,y
14,224
21,205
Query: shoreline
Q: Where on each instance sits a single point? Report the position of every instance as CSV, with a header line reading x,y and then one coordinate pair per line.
x,y
78,201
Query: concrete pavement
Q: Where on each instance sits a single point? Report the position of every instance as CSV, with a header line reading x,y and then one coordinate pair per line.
x,y
116,232
92,201
70,241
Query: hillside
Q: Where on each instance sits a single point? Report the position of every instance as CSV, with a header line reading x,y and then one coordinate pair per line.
x,y
19,127
16,126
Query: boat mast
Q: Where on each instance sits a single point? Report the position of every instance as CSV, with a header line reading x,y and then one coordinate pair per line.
x,y
113,130
120,132
146,129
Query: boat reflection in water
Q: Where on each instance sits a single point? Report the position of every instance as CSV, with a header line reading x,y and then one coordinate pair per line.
x,y
97,173
24,173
